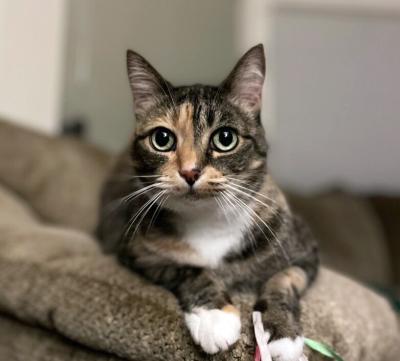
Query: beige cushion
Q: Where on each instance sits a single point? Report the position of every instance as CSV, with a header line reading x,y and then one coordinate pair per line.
x,y
59,178
55,277
350,235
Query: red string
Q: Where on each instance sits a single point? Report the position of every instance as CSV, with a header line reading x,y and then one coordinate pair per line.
x,y
257,354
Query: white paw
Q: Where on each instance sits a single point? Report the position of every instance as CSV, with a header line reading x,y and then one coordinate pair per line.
x,y
286,349
214,330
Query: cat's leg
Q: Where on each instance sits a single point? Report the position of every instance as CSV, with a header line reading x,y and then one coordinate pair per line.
x,y
279,303
213,322
214,329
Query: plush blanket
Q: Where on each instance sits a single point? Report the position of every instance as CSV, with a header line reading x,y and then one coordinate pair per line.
x,y
62,299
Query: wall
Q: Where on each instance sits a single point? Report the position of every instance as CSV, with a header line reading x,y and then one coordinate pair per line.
x,y
186,40
332,106
337,100
31,60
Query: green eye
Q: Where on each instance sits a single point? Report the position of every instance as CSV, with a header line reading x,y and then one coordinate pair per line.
x,y
225,139
163,140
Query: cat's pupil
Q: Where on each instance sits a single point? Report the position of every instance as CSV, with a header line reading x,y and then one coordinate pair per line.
x,y
162,138
225,137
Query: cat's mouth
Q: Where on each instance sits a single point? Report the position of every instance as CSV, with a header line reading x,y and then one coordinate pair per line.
x,y
199,190
194,193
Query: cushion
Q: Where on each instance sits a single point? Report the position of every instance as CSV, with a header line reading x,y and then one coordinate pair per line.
x,y
63,299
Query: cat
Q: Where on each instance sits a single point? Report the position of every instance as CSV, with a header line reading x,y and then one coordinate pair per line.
x,y
191,207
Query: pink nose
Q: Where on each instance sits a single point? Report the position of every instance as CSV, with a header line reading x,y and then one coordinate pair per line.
x,y
190,176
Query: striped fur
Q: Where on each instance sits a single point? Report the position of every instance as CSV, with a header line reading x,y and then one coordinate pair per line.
x,y
232,230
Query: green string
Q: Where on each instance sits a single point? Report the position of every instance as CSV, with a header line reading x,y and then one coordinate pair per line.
x,y
322,349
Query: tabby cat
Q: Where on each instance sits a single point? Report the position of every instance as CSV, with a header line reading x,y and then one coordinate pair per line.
x,y
191,207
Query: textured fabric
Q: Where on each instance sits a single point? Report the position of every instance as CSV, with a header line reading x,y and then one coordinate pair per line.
x,y
388,210
350,236
59,177
74,303
21,342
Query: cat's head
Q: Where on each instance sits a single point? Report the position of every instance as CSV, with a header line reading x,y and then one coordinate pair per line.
x,y
196,141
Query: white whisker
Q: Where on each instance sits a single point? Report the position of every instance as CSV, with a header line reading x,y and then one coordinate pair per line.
x,y
263,222
268,206
239,207
236,179
153,201
116,203
140,191
257,224
140,211
157,211
221,206
252,190
145,176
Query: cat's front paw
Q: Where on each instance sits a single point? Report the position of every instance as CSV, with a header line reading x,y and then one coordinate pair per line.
x,y
287,348
214,330
286,342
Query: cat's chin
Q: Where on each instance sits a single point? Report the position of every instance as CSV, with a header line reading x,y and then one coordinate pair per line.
x,y
191,202
192,195
195,195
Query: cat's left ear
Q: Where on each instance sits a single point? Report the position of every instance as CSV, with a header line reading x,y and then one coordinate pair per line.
x,y
244,84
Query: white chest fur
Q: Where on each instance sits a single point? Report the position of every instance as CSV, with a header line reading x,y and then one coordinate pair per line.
x,y
213,235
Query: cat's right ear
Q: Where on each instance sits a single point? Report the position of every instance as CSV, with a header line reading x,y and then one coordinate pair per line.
x,y
147,85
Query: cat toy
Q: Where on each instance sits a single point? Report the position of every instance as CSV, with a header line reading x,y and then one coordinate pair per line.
x,y
262,351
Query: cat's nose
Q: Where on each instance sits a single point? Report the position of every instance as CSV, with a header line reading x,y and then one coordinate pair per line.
x,y
190,176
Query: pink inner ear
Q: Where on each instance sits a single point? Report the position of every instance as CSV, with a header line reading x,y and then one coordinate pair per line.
x,y
249,96
246,86
146,83
245,82
252,95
